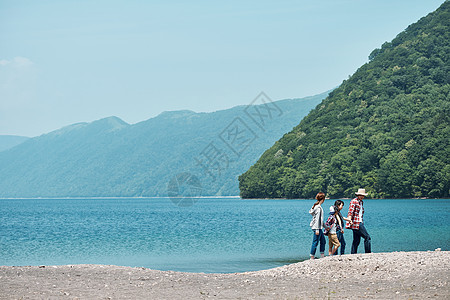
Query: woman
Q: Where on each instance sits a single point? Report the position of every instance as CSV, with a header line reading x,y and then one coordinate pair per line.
x,y
317,225
337,207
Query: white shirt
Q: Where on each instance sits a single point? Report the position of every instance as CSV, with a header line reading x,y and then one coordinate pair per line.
x,y
361,214
333,228
317,221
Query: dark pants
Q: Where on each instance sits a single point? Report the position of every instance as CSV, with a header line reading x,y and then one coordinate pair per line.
x,y
357,234
341,239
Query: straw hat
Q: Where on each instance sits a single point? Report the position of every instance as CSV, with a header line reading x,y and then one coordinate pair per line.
x,y
361,192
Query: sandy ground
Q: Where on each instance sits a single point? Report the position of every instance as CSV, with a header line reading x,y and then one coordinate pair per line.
x,y
398,275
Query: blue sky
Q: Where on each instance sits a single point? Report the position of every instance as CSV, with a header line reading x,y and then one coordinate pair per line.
x,y
65,61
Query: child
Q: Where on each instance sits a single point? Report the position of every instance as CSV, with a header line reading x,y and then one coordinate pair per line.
x,y
332,226
338,205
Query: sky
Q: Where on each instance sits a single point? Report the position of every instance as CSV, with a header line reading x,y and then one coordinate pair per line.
x,y
67,61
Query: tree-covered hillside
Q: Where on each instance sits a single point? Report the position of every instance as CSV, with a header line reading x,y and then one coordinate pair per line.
x,y
385,129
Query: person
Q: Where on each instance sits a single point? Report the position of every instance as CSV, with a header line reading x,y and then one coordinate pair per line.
x,y
356,214
317,225
331,227
338,206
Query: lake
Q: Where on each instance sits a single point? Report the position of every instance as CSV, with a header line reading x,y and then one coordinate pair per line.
x,y
214,235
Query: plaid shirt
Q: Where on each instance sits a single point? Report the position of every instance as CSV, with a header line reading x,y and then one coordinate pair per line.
x,y
353,213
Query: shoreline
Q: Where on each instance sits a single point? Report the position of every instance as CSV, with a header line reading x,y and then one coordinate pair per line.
x,y
395,275
199,197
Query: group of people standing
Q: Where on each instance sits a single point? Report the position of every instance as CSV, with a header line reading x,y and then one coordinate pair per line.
x,y
332,225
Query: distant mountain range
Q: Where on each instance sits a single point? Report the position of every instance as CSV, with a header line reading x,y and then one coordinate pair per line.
x,y
9,141
109,157
385,129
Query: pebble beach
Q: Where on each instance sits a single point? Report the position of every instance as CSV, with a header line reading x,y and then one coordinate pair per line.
x,y
397,275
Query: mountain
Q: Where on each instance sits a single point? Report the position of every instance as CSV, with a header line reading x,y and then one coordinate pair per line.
x,y
9,141
385,129
109,157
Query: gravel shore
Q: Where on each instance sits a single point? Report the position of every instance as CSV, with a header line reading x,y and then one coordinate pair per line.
x,y
398,275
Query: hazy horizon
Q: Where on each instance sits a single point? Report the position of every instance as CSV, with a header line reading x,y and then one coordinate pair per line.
x,y
167,111
77,61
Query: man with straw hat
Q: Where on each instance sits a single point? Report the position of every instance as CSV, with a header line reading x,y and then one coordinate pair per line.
x,y
355,213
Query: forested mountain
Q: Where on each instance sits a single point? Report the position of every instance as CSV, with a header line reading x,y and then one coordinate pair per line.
x,y
385,129
9,141
109,157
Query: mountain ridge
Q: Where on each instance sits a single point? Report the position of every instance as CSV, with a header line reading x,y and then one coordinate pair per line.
x,y
10,141
109,157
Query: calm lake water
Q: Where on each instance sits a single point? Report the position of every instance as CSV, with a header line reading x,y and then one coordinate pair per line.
x,y
213,235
